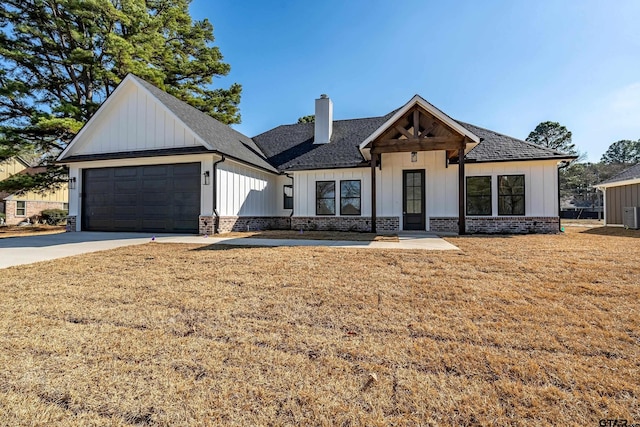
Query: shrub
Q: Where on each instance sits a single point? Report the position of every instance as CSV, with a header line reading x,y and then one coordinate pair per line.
x,y
54,216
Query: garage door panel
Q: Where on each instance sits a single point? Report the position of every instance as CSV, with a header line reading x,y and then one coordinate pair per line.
x,y
125,199
98,173
126,186
142,198
125,172
186,169
156,170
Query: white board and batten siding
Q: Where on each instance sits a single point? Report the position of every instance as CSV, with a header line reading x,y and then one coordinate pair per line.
x,y
441,185
304,188
247,191
134,121
540,184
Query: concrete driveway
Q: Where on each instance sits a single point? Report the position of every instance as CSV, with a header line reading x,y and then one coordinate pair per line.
x,y
27,250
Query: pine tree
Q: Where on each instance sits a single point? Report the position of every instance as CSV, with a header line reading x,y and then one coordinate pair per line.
x,y
553,135
624,151
60,59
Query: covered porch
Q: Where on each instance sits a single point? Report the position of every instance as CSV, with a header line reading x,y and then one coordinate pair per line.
x,y
417,128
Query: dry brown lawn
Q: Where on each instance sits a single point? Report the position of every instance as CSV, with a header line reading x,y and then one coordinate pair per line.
x,y
30,230
512,330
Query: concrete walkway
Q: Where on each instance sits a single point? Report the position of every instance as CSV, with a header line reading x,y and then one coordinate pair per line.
x,y
422,241
26,250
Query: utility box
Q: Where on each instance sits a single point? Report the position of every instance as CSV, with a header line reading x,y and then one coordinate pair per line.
x,y
630,217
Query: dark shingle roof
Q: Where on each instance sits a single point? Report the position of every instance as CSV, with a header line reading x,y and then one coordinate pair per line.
x,y
496,147
632,173
221,137
291,147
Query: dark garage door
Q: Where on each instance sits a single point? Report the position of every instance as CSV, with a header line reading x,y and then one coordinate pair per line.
x,y
156,198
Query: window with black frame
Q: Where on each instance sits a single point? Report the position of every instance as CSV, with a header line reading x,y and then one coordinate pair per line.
x,y
479,195
325,198
511,195
288,197
350,197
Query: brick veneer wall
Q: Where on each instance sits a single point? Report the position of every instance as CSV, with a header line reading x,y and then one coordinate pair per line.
x,y
227,224
32,209
513,225
449,225
345,223
499,225
71,223
206,225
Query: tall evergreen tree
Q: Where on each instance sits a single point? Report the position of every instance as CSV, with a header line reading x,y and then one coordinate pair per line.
x,y
624,151
60,59
553,135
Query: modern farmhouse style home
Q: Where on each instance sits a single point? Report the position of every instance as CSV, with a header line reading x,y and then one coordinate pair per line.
x,y
147,161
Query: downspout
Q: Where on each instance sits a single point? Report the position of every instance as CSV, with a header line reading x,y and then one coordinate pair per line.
x,y
216,224
561,165
294,199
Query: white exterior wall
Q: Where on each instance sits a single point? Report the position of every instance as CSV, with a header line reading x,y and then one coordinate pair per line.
x,y
247,191
304,189
540,184
441,185
134,121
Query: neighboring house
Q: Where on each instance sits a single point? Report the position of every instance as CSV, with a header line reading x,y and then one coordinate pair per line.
x,y
620,191
19,207
147,161
9,167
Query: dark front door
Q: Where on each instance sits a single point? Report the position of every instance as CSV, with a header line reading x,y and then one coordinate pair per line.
x,y
154,198
413,215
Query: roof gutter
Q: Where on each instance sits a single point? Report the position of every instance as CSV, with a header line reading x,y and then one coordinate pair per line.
x,y
216,224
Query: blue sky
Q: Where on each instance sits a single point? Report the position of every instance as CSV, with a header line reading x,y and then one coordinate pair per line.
x,y
504,65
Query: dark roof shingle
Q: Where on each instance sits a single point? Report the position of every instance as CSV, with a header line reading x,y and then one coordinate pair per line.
x,y
632,173
291,147
496,147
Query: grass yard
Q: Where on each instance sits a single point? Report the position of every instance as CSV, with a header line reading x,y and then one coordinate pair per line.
x,y
512,330
30,230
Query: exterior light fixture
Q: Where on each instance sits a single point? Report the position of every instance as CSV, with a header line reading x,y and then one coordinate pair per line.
x,y
206,177
414,156
72,183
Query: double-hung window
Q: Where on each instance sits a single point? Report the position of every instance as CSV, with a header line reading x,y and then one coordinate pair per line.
x,y
479,195
350,197
21,208
325,197
511,195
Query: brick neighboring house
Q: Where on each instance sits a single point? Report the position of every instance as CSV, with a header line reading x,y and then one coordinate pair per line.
x,y
19,207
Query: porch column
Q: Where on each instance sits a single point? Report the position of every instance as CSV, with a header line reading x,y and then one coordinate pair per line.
x,y
461,218
374,161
